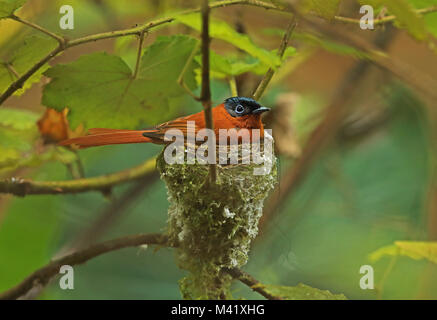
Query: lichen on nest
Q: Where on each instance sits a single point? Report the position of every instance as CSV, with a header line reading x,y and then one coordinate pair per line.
x,y
214,224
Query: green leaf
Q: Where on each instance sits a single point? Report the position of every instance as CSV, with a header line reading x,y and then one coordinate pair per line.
x,y
32,50
17,133
127,49
223,66
301,292
223,31
100,91
413,249
429,18
8,7
324,8
407,18
162,62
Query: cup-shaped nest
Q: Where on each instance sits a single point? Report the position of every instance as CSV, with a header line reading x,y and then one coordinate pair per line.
x,y
213,224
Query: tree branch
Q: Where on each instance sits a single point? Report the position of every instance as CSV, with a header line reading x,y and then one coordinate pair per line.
x,y
205,96
385,19
251,282
41,276
268,76
137,31
140,49
22,187
64,44
419,81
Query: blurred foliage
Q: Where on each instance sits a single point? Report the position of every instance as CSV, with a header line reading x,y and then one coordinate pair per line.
x,y
17,133
360,194
301,292
357,198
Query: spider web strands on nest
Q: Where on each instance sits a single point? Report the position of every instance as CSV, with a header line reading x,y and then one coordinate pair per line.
x,y
226,153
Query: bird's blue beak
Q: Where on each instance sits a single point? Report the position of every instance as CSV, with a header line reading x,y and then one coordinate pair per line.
x,y
260,110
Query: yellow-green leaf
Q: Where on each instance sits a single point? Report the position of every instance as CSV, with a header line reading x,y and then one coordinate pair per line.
x,y
413,249
12,66
17,133
8,7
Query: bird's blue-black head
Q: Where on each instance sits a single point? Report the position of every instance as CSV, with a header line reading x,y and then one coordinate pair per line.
x,y
242,106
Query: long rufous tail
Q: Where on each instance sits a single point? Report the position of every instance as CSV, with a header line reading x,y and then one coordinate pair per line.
x,y
102,137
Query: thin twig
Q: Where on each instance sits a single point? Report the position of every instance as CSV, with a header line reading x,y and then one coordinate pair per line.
x,y
419,81
136,31
140,49
18,84
268,76
58,38
158,22
12,70
387,271
180,79
205,95
42,275
233,86
74,174
385,19
22,187
251,282
79,164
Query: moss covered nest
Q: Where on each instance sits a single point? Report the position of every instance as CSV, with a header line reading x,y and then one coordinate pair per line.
x,y
214,224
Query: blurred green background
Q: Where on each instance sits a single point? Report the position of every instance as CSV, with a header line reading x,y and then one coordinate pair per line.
x,y
362,192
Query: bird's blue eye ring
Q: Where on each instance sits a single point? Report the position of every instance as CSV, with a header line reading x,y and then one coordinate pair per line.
x,y
239,108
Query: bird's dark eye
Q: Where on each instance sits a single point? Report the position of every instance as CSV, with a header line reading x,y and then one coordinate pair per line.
x,y
239,109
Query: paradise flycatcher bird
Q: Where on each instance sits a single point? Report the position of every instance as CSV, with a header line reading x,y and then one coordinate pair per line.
x,y
235,113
